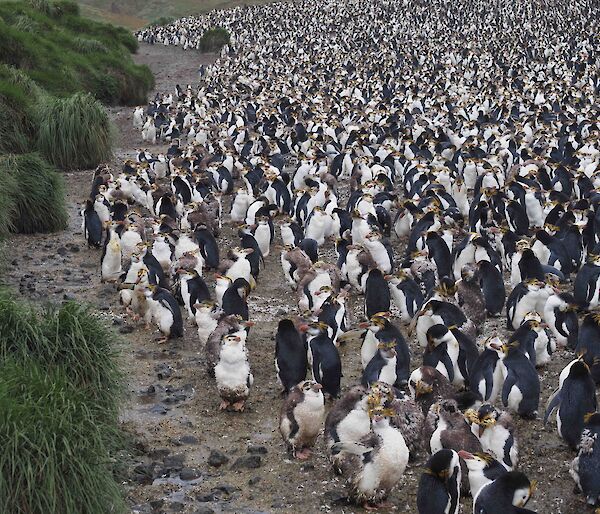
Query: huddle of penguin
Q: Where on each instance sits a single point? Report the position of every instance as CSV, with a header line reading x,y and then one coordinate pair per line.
x,y
441,187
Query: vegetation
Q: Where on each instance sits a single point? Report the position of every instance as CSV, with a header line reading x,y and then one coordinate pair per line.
x,y
32,195
59,390
214,39
74,131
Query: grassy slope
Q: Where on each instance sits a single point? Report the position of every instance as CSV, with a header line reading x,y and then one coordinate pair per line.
x,y
136,13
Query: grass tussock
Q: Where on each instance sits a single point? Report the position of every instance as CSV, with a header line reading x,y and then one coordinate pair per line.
x,y
74,132
33,193
59,394
214,39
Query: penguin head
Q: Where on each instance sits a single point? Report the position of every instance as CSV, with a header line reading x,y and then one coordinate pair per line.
x,y
442,464
310,388
579,369
436,335
592,419
487,415
420,382
476,461
380,416
519,485
231,340
387,349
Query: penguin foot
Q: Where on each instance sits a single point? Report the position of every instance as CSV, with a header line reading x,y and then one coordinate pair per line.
x,y
238,406
224,405
304,454
162,340
376,506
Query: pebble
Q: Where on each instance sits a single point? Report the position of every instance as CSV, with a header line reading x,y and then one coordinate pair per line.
x,y
217,458
249,462
189,474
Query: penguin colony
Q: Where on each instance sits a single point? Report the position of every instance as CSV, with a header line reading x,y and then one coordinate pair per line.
x,y
450,156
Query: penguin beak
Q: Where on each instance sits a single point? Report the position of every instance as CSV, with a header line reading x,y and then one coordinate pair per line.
x,y
316,387
303,328
465,455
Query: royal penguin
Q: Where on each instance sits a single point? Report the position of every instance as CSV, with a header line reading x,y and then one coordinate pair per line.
x,y
521,387
524,298
588,344
486,376
165,312
496,432
585,468
348,420
235,298
574,398
377,293
586,288
534,340
232,373
382,367
111,255
290,355
381,251
209,249
442,353
263,233
207,315
436,312
192,290
482,469
439,486
375,464
301,419
92,225
561,317
405,294
323,358
508,494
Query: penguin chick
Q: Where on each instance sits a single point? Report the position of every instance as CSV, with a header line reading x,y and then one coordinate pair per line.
x,y
301,420
375,464
232,373
439,485
585,468
508,494
470,296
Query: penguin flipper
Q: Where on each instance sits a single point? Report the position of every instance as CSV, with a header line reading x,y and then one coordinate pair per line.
x,y
553,403
445,360
509,382
488,377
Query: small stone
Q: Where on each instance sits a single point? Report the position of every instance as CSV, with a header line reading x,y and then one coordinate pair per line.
x,y
189,474
143,508
159,409
249,462
204,510
174,462
257,449
217,459
176,506
307,467
334,497
187,439
126,329
142,474
69,297
254,480
62,251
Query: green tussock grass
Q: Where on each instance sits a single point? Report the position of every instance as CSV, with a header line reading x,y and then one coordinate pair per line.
x,y
214,39
74,132
33,192
60,385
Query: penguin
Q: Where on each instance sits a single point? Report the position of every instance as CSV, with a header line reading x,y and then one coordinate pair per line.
x,y
442,353
208,246
585,468
524,298
165,312
377,293
469,295
487,376
207,315
436,312
496,433
323,358
574,398
232,373
235,298
111,255
561,317
521,387
439,486
290,355
508,494
301,418
588,344
586,288
406,294
92,225
193,290
534,341
263,233
382,367
483,469
375,464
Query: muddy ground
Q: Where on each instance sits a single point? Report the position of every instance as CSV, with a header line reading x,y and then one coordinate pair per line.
x,y
192,458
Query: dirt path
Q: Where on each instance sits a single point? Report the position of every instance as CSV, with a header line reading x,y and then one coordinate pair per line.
x,y
193,458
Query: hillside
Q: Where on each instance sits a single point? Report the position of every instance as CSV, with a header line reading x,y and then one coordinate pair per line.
x,y
135,14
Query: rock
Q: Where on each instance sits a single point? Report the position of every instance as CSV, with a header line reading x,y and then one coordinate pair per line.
x,y
254,480
307,467
143,508
174,462
176,506
335,497
62,251
157,504
217,459
188,439
69,297
204,510
257,449
126,329
159,409
163,371
248,462
189,474
143,473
